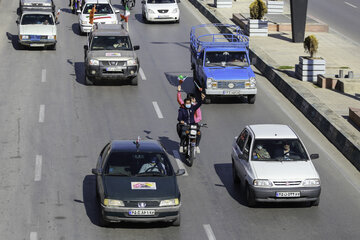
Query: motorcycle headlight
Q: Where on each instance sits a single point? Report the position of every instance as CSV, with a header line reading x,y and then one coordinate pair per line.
x,y
131,62
169,202
51,37
262,183
311,182
252,81
113,203
151,11
94,62
208,82
24,37
175,10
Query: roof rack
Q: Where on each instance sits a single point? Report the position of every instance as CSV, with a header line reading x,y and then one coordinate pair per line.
x,y
235,39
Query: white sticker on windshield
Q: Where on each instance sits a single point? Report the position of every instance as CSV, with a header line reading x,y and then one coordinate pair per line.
x,y
113,54
143,185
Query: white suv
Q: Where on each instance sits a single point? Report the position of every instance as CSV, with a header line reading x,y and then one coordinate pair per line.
x,y
272,165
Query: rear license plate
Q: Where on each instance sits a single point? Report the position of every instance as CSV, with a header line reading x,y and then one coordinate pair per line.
x,y
142,212
287,194
231,92
37,45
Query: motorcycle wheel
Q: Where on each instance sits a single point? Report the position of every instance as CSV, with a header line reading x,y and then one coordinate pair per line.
x,y
191,156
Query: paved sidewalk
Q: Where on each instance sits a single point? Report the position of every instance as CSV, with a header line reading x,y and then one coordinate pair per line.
x,y
335,49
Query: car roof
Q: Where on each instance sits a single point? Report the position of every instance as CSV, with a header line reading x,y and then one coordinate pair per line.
x,y
110,30
130,146
37,11
37,1
97,1
228,49
272,131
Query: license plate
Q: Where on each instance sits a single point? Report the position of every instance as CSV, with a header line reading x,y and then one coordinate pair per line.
x,y
231,92
37,45
113,69
163,16
287,194
142,212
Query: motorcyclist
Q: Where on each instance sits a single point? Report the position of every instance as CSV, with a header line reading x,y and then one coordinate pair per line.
x,y
125,1
186,117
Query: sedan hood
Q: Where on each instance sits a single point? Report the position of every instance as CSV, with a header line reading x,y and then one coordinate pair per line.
x,y
233,73
162,6
125,188
106,55
285,170
37,29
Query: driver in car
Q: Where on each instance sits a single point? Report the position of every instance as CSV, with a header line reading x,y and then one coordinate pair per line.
x,y
153,166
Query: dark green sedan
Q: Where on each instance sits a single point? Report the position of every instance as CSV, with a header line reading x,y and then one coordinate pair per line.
x,y
135,182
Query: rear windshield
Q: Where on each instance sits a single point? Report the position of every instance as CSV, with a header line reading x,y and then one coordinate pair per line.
x,y
100,8
138,164
111,43
44,19
278,150
226,59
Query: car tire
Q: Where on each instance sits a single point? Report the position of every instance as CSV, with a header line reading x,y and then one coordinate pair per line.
x,y
102,221
315,203
251,99
144,18
134,81
177,21
177,221
236,179
87,82
53,47
250,198
207,100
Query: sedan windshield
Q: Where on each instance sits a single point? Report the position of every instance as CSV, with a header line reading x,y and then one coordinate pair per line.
x,y
160,1
226,59
111,43
138,164
44,19
278,150
99,9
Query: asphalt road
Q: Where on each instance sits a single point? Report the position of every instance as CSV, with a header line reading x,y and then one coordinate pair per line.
x,y
342,16
53,128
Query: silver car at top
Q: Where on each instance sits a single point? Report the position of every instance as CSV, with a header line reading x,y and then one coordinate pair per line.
x,y
37,5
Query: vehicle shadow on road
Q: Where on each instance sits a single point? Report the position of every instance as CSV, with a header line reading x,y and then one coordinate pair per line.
x,y
170,146
79,68
89,197
224,171
14,40
76,29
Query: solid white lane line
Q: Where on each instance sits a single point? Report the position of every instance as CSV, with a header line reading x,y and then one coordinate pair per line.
x,y
179,162
43,75
142,74
38,164
351,5
157,110
42,113
33,236
209,232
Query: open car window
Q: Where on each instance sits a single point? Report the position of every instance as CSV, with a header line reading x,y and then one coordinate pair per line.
x,y
99,9
226,59
111,43
41,19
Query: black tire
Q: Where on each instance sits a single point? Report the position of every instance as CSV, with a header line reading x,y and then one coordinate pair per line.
x,y
207,100
52,47
134,81
250,198
102,221
251,99
236,179
177,221
191,156
315,203
87,82
177,21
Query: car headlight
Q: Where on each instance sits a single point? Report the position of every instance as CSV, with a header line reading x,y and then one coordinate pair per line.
x,y
114,22
131,62
51,37
84,22
208,82
27,4
262,183
311,182
24,37
94,62
252,81
169,202
175,10
113,203
151,11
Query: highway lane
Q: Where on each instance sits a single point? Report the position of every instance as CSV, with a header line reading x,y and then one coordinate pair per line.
x,y
342,16
79,120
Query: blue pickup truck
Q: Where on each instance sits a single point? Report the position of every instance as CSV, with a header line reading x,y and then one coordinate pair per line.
x,y
220,62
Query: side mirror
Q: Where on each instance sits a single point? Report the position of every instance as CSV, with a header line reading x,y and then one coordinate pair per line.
x,y
117,10
137,47
18,21
180,172
314,156
86,47
78,11
95,171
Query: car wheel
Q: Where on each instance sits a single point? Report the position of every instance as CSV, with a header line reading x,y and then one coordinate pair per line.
x,y
316,202
177,21
134,81
250,198
236,179
207,100
52,47
102,221
177,221
86,80
251,99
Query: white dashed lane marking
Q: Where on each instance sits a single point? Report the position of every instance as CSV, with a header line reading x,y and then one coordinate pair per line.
x,y
142,74
38,166
33,236
157,110
351,5
42,113
209,232
43,75
179,162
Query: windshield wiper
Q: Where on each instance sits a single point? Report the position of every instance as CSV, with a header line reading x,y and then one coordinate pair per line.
x,y
144,174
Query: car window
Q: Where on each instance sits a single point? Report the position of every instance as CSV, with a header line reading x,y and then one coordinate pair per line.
x,y
160,1
247,148
99,8
241,139
111,43
138,164
278,150
226,59
43,19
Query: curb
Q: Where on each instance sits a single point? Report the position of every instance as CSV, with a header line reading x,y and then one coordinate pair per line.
x,y
329,124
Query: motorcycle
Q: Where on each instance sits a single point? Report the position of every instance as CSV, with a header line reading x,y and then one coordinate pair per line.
x,y
76,6
129,3
192,132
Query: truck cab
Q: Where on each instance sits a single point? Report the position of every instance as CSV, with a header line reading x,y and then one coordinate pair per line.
x,y
221,63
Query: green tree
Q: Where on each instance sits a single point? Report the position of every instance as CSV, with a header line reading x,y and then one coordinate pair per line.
x,y
258,9
311,45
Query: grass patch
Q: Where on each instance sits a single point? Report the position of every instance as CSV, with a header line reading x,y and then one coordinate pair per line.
x,y
344,67
285,67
